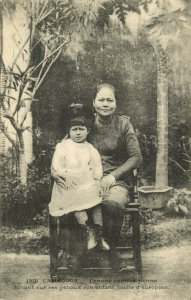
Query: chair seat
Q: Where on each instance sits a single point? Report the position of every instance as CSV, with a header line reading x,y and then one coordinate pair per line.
x,y
130,253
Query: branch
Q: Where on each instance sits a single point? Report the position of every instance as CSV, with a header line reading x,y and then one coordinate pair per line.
x,y
189,161
184,171
42,68
20,50
41,16
57,49
14,144
36,44
10,118
39,12
10,97
44,16
21,90
13,122
12,21
24,118
48,68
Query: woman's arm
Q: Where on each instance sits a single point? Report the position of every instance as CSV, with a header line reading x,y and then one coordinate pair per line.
x,y
134,159
96,167
95,163
133,152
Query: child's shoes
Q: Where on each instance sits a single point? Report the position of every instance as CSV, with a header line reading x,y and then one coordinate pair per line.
x,y
90,236
104,245
91,239
99,235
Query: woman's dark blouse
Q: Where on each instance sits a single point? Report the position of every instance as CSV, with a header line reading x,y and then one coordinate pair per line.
x,y
116,142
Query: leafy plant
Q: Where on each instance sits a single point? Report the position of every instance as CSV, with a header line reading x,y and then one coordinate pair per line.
x,y
21,203
181,156
180,204
41,218
147,216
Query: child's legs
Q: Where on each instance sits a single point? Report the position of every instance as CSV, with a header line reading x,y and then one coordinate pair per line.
x,y
81,216
97,215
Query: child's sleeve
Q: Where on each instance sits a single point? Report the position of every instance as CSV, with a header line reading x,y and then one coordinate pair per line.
x,y
95,163
57,160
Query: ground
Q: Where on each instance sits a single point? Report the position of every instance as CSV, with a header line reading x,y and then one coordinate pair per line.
x,y
166,275
166,248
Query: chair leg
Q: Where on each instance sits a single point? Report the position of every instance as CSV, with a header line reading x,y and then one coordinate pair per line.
x,y
136,241
53,227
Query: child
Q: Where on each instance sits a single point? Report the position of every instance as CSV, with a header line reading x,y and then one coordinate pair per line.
x,y
77,171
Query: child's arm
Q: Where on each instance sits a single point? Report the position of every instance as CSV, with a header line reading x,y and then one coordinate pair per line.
x,y
60,174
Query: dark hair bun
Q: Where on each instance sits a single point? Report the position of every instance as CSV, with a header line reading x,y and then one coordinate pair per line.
x,y
79,114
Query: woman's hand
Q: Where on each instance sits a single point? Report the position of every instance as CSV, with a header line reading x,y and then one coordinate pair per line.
x,y
106,183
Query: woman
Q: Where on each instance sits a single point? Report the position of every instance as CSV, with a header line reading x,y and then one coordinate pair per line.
x,y
113,136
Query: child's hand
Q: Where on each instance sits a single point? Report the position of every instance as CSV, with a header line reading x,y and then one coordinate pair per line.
x,y
60,181
64,180
70,183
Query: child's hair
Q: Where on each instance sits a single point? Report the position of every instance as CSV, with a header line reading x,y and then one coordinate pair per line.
x,y
79,115
79,121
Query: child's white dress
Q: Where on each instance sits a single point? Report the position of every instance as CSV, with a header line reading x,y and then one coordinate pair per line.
x,y
83,163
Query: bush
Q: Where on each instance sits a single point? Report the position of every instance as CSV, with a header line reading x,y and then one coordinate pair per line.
x,y
180,204
20,203
179,157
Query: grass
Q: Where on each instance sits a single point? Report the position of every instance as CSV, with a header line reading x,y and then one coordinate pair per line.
x,y
164,232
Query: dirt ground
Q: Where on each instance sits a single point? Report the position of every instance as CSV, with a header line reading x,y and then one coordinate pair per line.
x,y
166,275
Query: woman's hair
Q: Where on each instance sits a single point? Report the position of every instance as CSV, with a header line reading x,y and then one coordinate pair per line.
x,y
79,115
109,86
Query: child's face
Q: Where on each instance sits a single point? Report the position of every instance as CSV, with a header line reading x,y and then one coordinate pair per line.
x,y
79,133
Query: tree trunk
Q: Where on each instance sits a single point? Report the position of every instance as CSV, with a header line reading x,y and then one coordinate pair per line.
x,y
28,138
162,117
16,38
23,166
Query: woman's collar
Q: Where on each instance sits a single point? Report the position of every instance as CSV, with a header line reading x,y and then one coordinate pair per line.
x,y
104,120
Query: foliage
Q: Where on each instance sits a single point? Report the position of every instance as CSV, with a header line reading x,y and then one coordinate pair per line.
x,y
180,152
35,239
151,237
29,240
148,146
147,216
166,232
21,203
41,218
179,155
133,72
180,204
48,27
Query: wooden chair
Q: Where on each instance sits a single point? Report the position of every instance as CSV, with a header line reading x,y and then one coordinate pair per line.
x,y
132,209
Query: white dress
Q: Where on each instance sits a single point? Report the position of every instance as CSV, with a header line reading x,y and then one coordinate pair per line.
x,y
83,163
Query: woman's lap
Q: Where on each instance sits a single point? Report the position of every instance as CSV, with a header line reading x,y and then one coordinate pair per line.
x,y
112,207
113,215
118,193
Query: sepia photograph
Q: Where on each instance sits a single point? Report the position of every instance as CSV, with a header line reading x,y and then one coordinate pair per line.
x,y
95,149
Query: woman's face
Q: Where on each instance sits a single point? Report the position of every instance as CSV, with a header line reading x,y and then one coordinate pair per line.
x,y
105,102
